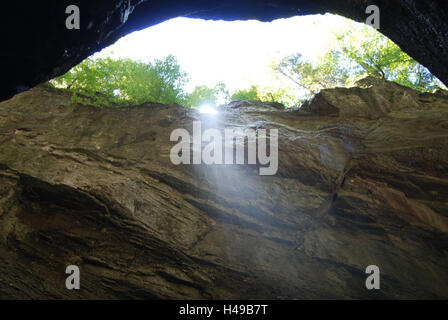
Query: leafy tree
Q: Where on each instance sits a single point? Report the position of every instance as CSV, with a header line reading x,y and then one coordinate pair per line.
x,y
309,77
171,80
271,94
357,52
278,94
222,93
251,94
201,95
108,82
206,95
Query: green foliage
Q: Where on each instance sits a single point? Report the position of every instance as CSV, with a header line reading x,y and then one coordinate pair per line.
x,y
311,78
279,94
202,95
206,95
375,54
251,94
271,94
108,82
357,53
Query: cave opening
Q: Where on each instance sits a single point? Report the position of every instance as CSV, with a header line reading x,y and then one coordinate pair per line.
x,y
205,63
359,175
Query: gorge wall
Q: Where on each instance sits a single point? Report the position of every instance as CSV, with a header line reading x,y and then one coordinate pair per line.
x,y
36,46
362,180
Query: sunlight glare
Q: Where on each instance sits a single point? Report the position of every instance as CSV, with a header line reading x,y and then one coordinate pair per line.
x,y
238,53
207,109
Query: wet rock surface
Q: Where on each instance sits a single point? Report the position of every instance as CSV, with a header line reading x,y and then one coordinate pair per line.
x,y
366,185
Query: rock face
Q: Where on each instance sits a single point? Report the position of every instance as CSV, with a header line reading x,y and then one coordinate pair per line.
x,y
362,180
36,46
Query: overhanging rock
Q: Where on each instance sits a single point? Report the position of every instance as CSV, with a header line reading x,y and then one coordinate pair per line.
x,y
96,188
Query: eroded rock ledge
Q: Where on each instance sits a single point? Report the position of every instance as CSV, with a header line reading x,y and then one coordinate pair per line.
x,y
362,179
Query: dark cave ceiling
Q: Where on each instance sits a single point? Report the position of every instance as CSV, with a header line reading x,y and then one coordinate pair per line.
x,y
37,47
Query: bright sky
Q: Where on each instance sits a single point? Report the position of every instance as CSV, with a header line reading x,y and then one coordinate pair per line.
x,y
238,53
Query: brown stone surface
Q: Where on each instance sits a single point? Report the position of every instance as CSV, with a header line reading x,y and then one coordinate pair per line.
x,y
96,188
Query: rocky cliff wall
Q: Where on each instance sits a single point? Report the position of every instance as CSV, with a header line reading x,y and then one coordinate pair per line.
x,y
362,180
